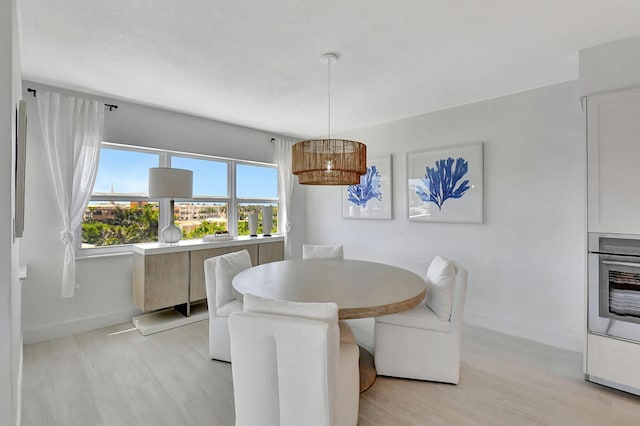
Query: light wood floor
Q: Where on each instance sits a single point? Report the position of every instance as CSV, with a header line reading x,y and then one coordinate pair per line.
x,y
117,377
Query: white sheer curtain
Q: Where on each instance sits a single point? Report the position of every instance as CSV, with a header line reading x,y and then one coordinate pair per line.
x,y
72,132
285,186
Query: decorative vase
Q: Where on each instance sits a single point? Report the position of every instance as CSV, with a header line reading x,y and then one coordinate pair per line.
x,y
171,233
267,220
253,224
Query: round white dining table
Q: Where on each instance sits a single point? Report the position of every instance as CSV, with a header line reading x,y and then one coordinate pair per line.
x,y
360,289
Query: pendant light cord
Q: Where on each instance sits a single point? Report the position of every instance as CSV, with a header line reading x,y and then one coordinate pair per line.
x,y
329,97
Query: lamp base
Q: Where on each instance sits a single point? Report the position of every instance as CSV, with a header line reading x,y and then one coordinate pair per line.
x,y
171,233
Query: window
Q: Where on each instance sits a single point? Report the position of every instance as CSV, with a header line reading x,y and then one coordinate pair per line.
x,y
256,186
119,211
257,182
124,171
210,178
208,211
243,217
224,192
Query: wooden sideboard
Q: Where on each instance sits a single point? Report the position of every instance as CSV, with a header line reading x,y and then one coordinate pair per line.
x,y
168,275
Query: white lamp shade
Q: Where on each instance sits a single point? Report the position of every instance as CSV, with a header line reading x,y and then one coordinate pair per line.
x,y
165,182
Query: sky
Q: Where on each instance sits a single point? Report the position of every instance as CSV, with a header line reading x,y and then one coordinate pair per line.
x,y
128,172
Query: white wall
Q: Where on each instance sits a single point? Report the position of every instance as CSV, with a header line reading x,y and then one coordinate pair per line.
x,y
610,66
105,296
10,294
526,262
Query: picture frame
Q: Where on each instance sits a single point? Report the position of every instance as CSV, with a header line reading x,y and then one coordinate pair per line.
x,y
21,157
446,184
372,198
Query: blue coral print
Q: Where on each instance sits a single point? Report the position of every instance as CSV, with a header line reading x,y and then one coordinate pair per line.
x,y
368,189
442,183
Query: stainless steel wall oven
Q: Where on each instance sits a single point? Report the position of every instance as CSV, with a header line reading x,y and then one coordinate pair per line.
x,y
614,286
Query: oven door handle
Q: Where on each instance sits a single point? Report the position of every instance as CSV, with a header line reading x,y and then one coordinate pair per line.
x,y
614,263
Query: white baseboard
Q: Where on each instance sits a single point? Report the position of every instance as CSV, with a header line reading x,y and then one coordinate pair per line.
x,y
555,338
67,328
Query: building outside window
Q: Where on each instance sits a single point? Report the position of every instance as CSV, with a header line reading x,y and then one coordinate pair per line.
x,y
224,192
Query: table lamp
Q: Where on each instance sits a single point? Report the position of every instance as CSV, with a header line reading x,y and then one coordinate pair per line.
x,y
168,183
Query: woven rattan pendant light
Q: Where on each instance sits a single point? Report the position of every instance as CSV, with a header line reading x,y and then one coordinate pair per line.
x,y
329,161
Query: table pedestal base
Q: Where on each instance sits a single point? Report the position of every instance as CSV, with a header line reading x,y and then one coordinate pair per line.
x,y
367,369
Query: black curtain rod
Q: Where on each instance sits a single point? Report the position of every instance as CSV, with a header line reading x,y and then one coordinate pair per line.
x,y
110,106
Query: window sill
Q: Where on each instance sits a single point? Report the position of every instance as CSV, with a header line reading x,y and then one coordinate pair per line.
x,y
182,245
102,254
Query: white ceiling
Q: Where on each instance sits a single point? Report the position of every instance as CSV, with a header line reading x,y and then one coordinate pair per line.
x,y
257,62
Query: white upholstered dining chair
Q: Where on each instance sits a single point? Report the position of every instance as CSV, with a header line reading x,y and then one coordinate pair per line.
x,y
322,252
424,342
218,273
289,366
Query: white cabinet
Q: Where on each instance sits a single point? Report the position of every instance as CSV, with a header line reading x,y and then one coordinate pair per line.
x,y
613,150
613,183
613,362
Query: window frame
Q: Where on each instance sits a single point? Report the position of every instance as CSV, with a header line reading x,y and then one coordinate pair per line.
x,y
209,199
120,248
239,200
165,158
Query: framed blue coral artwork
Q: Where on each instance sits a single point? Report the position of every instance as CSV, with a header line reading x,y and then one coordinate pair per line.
x,y
371,199
445,184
